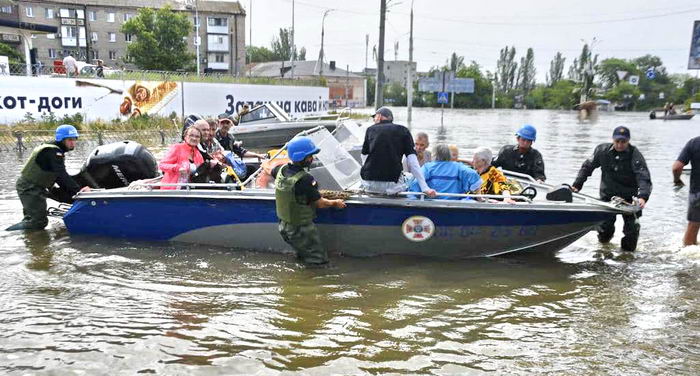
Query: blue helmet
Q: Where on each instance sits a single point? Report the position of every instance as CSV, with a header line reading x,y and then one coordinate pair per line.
x,y
66,131
300,148
527,132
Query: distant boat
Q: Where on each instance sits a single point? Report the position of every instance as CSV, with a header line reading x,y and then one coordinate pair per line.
x,y
684,116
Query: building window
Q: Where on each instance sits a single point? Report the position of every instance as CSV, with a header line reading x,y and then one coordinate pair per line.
x,y
79,14
112,37
214,21
94,36
95,54
219,58
64,13
50,36
48,13
7,9
111,17
92,16
70,32
30,11
128,16
113,55
127,37
52,53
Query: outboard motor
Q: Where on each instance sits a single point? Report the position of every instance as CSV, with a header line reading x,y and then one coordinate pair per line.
x,y
117,165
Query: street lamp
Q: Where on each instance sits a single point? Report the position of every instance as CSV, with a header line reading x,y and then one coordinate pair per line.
x,y
323,26
196,28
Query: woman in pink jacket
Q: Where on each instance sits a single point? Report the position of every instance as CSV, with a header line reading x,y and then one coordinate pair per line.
x,y
182,159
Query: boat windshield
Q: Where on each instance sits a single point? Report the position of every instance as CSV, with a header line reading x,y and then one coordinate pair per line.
x,y
349,133
256,114
338,163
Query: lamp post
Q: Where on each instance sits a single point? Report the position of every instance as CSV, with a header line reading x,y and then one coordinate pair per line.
x,y
323,26
196,29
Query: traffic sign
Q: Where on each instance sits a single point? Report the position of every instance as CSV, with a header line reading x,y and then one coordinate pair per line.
x,y
651,74
443,97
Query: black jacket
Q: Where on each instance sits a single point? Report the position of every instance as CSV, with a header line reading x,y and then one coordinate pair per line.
x,y
624,174
52,160
531,163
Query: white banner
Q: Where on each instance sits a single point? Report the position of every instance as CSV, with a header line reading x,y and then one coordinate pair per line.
x,y
114,99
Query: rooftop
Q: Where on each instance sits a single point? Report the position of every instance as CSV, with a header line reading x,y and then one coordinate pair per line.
x,y
301,69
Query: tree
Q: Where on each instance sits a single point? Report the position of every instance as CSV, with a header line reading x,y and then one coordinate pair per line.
x,y
481,97
13,56
608,68
282,45
302,54
259,54
456,62
556,69
159,39
505,69
526,74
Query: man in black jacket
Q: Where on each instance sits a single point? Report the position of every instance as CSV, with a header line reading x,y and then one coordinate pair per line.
x,y
624,174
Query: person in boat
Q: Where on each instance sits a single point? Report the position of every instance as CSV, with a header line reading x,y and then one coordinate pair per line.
x,y
624,173
228,143
446,176
421,142
522,158
45,167
690,154
493,182
384,147
222,133
182,159
296,200
212,152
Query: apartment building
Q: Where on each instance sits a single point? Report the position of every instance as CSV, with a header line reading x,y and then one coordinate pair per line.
x,y
90,29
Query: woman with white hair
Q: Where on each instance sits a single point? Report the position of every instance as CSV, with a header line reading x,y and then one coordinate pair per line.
x,y
493,180
447,176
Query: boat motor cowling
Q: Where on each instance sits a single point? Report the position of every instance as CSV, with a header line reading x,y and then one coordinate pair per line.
x,y
117,164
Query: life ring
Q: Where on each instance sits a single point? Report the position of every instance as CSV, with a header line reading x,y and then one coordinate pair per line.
x,y
418,228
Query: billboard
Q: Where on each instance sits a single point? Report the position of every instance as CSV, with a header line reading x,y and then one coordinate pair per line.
x,y
115,99
694,59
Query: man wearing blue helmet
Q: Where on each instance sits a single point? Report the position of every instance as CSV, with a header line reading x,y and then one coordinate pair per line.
x,y
45,166
522,158
297,198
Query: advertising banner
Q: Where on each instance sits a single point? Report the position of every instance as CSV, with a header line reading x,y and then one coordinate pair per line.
x,y
115,99
694,60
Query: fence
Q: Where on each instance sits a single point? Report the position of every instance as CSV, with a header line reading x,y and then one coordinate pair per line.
x,y
26,140
89,71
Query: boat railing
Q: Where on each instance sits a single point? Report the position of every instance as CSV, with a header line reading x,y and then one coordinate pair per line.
x,y
466,195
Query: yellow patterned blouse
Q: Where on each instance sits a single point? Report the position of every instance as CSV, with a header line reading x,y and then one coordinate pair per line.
x,y
493,182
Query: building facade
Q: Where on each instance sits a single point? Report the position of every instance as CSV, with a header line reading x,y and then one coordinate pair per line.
x,y
397,71
90,29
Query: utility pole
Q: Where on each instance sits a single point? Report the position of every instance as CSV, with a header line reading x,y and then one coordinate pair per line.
x,y
196,38
409,81
292,46
320,54
366,50
493,94
347,83
379,93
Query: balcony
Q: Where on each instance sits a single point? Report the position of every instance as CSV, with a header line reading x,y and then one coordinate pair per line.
x,y
218,66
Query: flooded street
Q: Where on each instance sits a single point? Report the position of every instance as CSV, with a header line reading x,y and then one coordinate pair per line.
x,y
83,305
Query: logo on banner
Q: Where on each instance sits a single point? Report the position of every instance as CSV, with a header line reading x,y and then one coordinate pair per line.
x,y
418,228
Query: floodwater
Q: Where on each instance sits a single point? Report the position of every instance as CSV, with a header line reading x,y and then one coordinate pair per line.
x,y
75,305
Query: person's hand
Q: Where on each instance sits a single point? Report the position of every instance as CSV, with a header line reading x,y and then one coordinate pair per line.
x,y
574,189
678,183
85,189
213,163
340,204
642,203
540,181
430,192
509,200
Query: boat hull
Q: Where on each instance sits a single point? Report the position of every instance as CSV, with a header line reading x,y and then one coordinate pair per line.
x,y
367,227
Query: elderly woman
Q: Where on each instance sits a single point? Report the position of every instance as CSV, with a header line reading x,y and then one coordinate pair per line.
x,y
446,176
182,159
493,180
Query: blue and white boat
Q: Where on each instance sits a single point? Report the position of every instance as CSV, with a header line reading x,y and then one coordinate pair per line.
x,y
221,215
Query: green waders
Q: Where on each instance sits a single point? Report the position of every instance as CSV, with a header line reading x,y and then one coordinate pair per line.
x,y
32,189
296,221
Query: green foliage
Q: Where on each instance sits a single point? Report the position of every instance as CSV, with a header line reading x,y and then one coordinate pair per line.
x,y
159,42
371,90
608,68
280,50
556,69
259,54
483,87
12,54
561,95
624,92
525,80
505,70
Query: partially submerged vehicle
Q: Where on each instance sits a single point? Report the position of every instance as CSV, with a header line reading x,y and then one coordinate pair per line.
x,y
243,216
269,126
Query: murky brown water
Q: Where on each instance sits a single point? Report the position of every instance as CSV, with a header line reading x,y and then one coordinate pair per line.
x,y
72,305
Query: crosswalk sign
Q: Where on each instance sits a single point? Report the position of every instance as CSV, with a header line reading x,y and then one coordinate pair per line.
x,y
443,97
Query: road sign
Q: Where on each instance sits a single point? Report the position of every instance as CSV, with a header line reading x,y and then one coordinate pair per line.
x,y
461,85
443,97
634,80
651,74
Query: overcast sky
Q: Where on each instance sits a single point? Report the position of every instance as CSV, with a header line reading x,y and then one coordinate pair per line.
x,y
477,30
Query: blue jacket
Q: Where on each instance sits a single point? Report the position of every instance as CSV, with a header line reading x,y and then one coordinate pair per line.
x,y
448,177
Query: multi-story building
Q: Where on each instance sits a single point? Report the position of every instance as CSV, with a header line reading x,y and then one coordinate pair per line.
x,y
90,29
397,71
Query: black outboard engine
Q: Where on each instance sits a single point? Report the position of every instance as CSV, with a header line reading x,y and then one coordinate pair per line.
x,y
118,164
